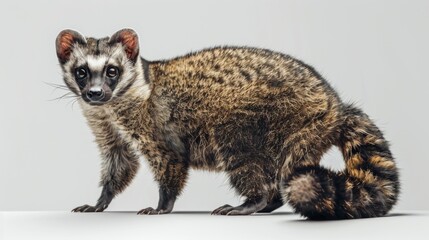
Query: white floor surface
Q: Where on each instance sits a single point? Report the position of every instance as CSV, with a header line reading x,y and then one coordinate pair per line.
x,y
202,225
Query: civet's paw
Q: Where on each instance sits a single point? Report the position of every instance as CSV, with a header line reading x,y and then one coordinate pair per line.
x,y
88,208
151,211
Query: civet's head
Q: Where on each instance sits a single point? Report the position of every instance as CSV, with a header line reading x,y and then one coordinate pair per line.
x,y
99,70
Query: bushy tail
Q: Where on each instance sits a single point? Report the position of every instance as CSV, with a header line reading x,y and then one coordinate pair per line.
x,y
368,187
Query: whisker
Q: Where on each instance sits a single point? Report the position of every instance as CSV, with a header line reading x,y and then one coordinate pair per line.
x,y
71,96
55,85
69,102
74,101
64,96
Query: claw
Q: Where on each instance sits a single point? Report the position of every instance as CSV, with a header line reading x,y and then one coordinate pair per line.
x,y
219,210
146,211
151,211
88,208
228,210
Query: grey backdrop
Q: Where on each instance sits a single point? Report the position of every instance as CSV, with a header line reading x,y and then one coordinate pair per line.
x,y
373,52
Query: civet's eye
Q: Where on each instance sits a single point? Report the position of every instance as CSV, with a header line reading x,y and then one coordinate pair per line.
x,y
80,73
112,72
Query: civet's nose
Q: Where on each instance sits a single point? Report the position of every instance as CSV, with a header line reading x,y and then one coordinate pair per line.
x,y
95,94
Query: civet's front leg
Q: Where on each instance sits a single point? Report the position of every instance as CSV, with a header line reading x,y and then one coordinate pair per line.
x,y
119,167
171,176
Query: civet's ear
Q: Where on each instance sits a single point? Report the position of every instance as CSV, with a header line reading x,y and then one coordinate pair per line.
x,y
129,39
65,42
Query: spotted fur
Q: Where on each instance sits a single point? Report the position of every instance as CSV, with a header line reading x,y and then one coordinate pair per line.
x,y
262,117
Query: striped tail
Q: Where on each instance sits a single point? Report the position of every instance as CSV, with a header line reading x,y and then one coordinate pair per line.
x,y
368,187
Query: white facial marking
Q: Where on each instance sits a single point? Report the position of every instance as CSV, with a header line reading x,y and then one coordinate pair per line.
x,y
96,63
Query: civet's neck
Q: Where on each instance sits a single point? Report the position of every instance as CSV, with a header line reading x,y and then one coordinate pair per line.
x,y
141,87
